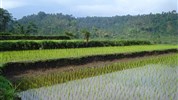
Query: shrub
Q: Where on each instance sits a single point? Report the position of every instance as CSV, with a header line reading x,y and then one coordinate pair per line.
x,y
10,37
31,45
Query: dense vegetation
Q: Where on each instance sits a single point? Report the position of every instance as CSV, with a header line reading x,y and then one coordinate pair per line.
x,y
7,90
156,27
18,37
116,26
47,44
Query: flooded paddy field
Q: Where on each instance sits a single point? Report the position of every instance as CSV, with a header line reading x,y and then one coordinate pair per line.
x,y
151,82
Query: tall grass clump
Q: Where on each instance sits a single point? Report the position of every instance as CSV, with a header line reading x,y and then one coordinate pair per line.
x,y
7,90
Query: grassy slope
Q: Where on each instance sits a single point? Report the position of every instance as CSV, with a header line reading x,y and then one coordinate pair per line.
x,y
33,55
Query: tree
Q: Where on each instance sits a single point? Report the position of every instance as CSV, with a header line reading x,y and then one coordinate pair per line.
x,y
86,35
5,17
41,14
18,28
32,28
69,34
22,30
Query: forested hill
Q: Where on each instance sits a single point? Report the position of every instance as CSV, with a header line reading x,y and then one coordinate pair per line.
x,y
140,26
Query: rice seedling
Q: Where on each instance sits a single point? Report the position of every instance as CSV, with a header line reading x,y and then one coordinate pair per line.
x,y
35,55
56,78
146,82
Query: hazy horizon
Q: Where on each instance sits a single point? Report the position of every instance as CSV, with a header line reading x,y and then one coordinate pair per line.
x,y
84,8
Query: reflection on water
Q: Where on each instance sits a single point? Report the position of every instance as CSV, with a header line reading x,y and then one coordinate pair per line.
x,y
151,82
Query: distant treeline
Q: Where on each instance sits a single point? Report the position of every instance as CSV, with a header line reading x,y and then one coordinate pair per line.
x,y
32,45
139,26
142,27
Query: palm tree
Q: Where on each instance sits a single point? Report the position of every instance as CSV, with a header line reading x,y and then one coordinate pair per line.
x,y
86,35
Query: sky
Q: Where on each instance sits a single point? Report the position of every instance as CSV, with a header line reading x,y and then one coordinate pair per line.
x,y
83,8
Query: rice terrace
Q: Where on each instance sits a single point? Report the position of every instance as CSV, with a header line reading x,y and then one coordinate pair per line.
x,y
61,57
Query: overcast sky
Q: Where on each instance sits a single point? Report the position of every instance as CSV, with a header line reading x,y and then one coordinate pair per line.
x,y
83,8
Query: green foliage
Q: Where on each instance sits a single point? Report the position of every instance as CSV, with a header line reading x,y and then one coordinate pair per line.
x,y
22,37
86,35
7,91
135,27
31,45
154,27
69,34
50,24
5,18
31,28
18,28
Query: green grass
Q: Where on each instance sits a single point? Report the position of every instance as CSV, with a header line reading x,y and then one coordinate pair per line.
x,y
34,55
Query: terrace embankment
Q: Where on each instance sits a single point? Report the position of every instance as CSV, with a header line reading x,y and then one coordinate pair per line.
x,y
17,68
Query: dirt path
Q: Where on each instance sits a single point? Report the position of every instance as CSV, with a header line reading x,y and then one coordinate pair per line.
x,y
69,68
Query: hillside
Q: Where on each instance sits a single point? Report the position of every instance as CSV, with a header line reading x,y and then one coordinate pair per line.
x,y
140,26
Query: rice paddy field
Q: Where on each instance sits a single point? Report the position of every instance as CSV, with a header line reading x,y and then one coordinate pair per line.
x,y
36,81
150,82
35,55
146,78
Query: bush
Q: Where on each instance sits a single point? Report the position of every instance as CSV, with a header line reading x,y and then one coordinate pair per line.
x,y
32,45
10,37
5,33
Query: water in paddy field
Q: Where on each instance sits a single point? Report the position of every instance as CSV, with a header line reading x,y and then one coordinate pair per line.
x,y
151,82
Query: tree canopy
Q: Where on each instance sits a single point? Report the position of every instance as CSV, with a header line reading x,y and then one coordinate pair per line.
x,y
150,26
5,18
